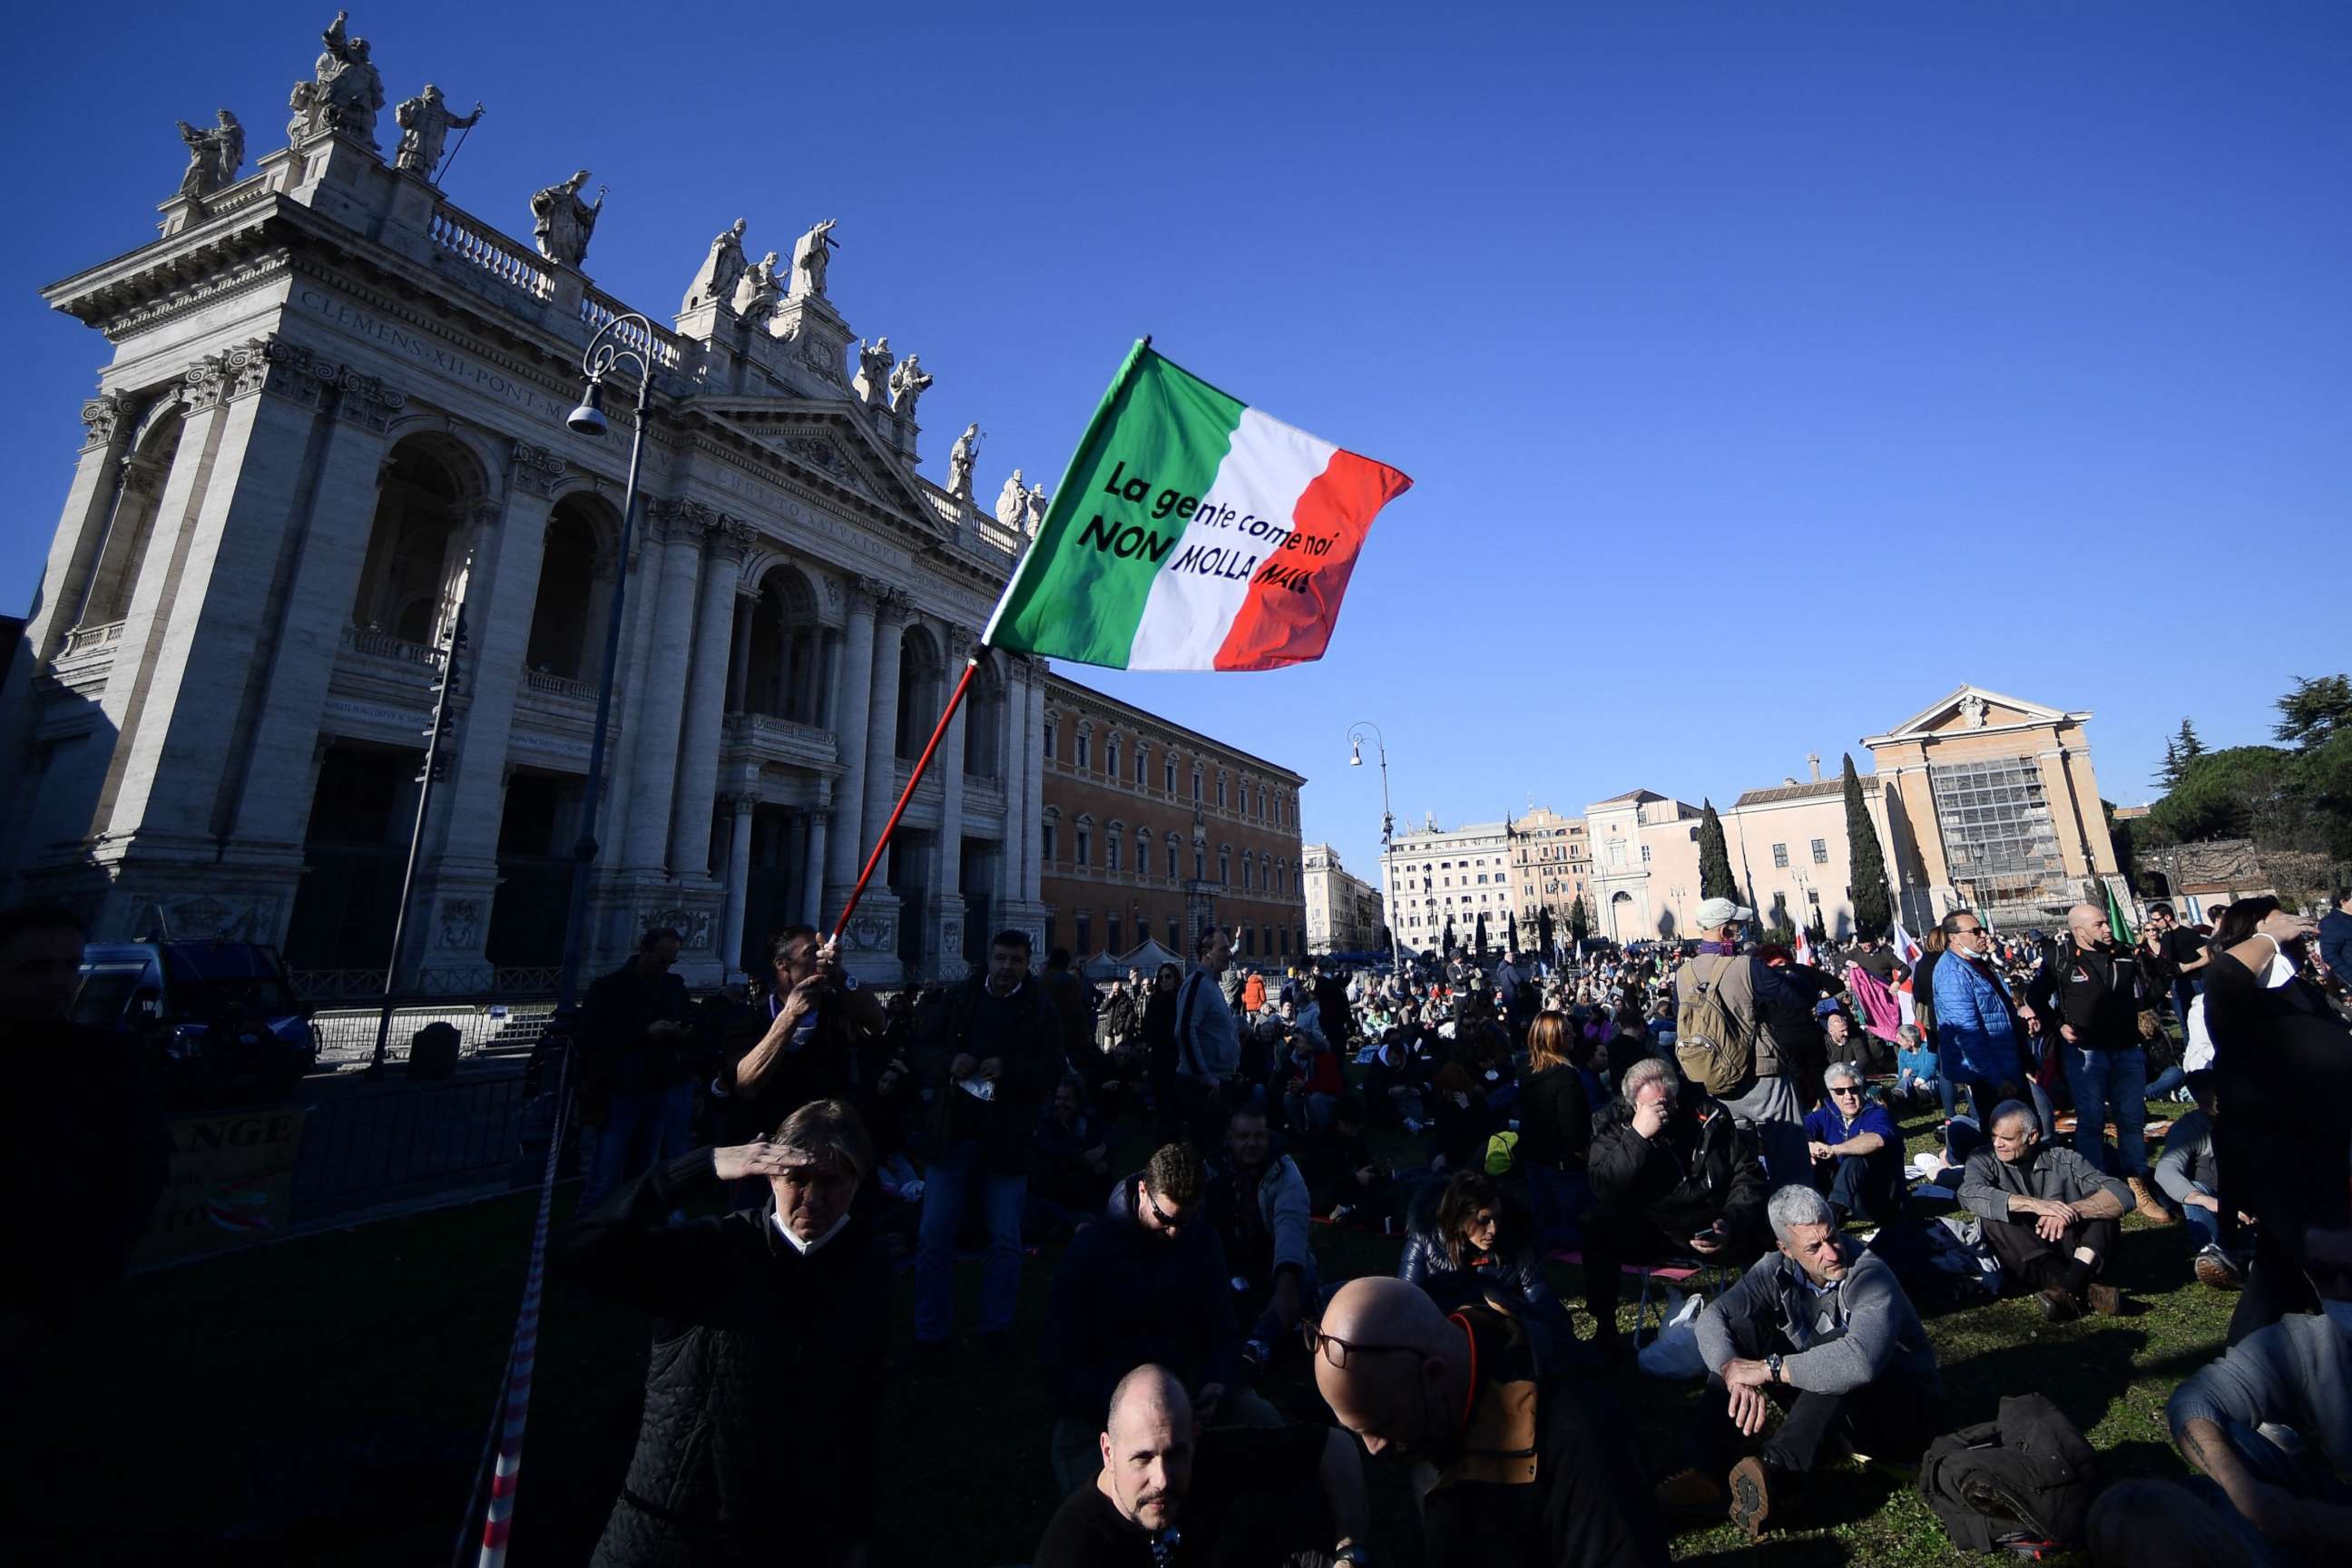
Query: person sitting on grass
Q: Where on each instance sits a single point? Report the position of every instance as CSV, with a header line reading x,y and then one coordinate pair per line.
x,y
1821,1328
2190,1176
1069,1165
2296,1375
1516,1465
1672,1176
763,1407
1146,1282
2049,1215
1258,1205
1857,1149
1467,1242
1920,1068
1169,1494
1343,1180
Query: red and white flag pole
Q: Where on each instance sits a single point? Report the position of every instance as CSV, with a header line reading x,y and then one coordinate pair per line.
x,y
955,700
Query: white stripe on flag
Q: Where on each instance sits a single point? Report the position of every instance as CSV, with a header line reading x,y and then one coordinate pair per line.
x,y
1188,613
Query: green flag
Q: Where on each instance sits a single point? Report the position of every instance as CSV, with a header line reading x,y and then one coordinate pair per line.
x,y
2115,921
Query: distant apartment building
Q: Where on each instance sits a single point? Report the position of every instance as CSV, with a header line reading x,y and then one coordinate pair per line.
x,y
1433,875
1343,911
1551,867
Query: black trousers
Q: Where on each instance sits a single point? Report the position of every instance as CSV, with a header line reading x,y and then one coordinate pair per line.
x,y
1892,1418
2036,1264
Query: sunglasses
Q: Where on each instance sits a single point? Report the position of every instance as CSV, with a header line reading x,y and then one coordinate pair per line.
x,y
1171,1226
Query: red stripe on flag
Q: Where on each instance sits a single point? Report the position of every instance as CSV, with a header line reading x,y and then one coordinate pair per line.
x,y
1294,599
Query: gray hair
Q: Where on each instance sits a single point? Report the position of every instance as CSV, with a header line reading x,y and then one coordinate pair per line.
x,y
1840,1072
2009,1108
827,1130
1647,1072
1908,1034
1796,1205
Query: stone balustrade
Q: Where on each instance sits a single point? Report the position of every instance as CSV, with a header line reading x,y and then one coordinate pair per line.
x,y
763,738
599,309
378,644
468,239
562,685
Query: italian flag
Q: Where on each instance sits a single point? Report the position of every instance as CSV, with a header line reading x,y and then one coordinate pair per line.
x,y
1192,532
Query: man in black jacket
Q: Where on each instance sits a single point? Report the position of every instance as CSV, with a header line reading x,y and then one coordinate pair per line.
x,y
764,1395
2092,987
1673,1175
1146,1282
997,1054
634,1039
87,1155
1534,1470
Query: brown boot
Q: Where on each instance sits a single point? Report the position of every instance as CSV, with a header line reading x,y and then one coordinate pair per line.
x,y
2147,1205
1751,1496
2104,1299
2058,1304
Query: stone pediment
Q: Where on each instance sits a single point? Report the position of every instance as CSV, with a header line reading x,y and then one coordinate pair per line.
x,y
1974,708
829,441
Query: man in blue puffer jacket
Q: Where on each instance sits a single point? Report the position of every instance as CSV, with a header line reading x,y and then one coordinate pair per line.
x,y
1977,1028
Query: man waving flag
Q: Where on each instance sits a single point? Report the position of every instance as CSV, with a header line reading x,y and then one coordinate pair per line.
x,y
1191,533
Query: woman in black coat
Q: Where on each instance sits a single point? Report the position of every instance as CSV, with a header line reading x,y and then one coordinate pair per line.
x,y
763,1392
1160,1052
1555,1132
1464,1241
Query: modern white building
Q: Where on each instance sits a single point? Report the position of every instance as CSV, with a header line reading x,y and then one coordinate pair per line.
x,y
1433,875
333,420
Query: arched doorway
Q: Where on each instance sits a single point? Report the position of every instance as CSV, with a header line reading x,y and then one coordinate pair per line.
x,y
1621,917
920,696
567,617
416,544
784,653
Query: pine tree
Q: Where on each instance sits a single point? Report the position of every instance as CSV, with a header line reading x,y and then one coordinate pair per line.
x,y
1580,924
2191,748
1871,912
1715,877
2169,775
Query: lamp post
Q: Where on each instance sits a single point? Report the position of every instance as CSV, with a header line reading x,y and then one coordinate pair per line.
x,y
608,348
1395,905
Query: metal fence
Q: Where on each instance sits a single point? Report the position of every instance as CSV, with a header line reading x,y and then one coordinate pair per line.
x,y
348,987
384,1145
347,1037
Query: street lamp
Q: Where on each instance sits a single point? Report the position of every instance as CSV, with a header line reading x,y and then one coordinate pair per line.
x,y
623,338
1388,833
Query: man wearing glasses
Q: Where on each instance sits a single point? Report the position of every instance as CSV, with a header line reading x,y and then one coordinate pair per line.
x,y
1146,1282
1980,1031
1856,1148
1517,1464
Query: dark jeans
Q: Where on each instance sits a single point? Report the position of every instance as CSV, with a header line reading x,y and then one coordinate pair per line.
x,y
1556,1201
1867,1184
1892,1418
956,1175
2037,1265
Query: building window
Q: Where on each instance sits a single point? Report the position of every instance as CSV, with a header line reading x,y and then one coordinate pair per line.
x,y
1086,931
1175,937
1172,872
1645,855
1085,750
1221,792
1110,758
1142,768
1245,873
1168,775
1053,729
1110,929
1780,857
1224,865
1052,836
1249,942
1196,786
1085,838
1199,865
1143,852
1820,852
1110,850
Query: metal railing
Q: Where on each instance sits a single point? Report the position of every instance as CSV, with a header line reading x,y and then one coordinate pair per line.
x,y
385,1145
477,983
347,1037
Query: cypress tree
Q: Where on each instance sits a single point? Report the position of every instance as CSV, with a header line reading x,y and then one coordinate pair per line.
x,y
1871,913
1580,924
1715,877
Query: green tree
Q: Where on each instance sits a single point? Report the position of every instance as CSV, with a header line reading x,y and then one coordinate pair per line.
x,y
1872,912
1450,945
2315,711
1481,949
1818,931
1544,929
2238,792
1715,877
1580,924
2191,747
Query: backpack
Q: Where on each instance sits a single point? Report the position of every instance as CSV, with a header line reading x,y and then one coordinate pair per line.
x,y
1502,1153
2023,1483
1712,1047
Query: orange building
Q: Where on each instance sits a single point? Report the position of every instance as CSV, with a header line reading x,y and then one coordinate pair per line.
x,y
1152,831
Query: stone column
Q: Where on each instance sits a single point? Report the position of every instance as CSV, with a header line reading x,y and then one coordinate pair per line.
x,y
1019,759
643,567
881,791
739,658
1032,793
669,650
950,763
850,697
812,869
739,882
697,763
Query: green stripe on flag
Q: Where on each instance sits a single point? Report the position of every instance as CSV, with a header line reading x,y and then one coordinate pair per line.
x,y
1151,451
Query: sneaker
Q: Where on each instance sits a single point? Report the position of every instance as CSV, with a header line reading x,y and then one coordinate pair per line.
x,y
1751,1496
2058,1304
2104,1299
1340,1211
2215,1270
1691,1492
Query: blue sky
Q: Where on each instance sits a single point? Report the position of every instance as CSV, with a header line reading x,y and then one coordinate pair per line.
x,y
1767,369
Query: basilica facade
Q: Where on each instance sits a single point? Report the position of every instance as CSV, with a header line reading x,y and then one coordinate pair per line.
x,y
333,435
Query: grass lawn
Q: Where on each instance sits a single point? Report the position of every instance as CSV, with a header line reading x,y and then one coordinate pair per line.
x,y
325,1400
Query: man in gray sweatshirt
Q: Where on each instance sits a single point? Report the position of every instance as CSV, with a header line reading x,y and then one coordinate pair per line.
x,y
1821,1328
2050,1215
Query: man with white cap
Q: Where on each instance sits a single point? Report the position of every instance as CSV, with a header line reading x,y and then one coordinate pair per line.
x,y
1720,1039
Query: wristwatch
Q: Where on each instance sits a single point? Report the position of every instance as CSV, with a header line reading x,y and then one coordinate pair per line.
x,y
1773,1366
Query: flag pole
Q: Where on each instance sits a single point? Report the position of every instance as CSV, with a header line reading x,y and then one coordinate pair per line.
x,y
955,700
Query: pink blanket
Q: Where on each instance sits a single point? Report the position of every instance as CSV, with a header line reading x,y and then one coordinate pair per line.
x,y
1881,1014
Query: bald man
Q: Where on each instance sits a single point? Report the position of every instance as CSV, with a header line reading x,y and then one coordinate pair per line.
x,y
1166,1495
1515,1465
2092,987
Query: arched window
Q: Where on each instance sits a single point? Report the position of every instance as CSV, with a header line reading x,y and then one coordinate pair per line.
x,y
1086,840
1085,745
114,575
920,695
1225,863
1245,873
1172,849
1143,853
1221,792
1167,773
784,650
417,545
1110,758
1051,843
1142,766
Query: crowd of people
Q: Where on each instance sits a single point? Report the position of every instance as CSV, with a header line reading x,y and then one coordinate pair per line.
x,y
759,1164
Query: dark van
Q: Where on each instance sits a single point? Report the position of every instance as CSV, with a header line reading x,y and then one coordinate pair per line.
x,y
220,1015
